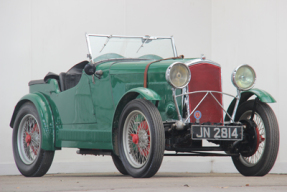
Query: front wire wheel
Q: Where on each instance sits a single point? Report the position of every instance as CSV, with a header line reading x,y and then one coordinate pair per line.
x,y
136,139
252,160
267,140
119,165
141,138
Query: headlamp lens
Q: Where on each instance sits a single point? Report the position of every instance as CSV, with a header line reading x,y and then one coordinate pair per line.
x,y
178,75
244,77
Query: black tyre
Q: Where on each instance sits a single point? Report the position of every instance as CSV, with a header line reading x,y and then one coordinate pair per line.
x,y
267,134
31,160
141,143
119,165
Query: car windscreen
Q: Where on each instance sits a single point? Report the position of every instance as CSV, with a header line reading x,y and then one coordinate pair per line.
x,y
146,47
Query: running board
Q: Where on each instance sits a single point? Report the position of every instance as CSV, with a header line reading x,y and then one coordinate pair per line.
x,y
199,154
93,152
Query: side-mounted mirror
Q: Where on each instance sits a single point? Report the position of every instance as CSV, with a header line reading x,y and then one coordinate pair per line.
x,y
90,69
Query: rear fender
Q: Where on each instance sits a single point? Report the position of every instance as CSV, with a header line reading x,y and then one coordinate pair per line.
x,y
45,115
146,93
262,95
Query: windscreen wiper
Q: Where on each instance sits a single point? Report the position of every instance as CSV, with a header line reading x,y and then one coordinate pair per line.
x,y
108,38
146,38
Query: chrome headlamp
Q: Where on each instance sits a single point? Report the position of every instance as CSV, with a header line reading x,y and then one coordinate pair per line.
x,y
178,75
243,77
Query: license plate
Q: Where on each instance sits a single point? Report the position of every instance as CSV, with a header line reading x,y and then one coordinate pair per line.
x,y
214,132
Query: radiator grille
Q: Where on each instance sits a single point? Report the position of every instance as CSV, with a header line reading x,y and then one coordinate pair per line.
x,y
206,76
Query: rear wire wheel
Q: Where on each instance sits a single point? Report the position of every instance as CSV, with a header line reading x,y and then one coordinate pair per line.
x,y
141,138
31,160
261,161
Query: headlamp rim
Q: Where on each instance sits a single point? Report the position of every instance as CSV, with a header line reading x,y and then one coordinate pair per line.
x,y
234,74
167,75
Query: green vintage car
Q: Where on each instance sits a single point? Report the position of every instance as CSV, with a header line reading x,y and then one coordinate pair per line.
x,y
137,100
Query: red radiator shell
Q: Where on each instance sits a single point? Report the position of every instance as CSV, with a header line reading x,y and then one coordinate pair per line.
x,y
206,76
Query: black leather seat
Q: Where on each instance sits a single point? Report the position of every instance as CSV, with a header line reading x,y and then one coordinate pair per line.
x,y
72,77
62,81
68,81
65,80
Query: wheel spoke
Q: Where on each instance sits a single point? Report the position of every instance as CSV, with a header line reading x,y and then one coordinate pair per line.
x,y
254,159
28,139
137,139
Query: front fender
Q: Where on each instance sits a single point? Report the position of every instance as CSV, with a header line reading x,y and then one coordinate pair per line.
x,y
262,95
146,93
45,115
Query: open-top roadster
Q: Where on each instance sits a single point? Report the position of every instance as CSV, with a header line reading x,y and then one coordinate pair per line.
x,y
136,98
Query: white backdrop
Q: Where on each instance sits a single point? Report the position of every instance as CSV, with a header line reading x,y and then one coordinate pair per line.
x,y
38,36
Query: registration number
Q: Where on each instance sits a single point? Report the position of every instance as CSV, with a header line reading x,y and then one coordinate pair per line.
x,y
213,132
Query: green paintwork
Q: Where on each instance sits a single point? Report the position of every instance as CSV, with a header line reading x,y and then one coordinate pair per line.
x,y
263,96
151,56
139,92
139,67
51,87
45,115
128,75
146,93
171,110
125,76
87,115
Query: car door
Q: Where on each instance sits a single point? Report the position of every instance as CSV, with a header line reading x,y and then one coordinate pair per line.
x,y
77,121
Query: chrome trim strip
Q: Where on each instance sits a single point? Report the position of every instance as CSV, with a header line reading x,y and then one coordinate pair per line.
x,y
176,104
173,45
197,61
232,117
205,91
126,36
89,48
196,107
236,105
187,102
182,97
220,105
